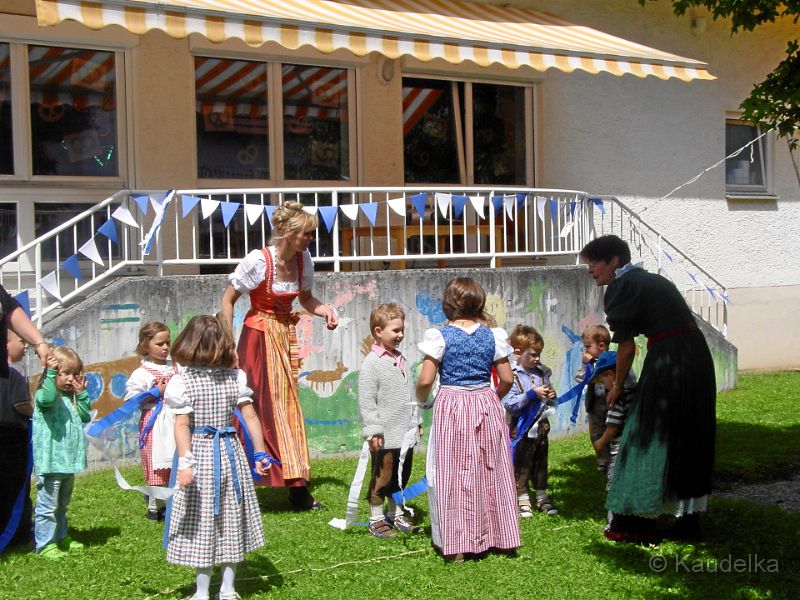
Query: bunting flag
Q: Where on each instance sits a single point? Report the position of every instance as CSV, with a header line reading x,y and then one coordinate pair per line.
x,y
572,206
459,202
690,274
109,230
398,205
370,210
89,250
553,204
253,212
350,211
725,297
521,199
669,258
188,203
161,214
228,211
157,200
49,284
497,202
24,301
143,202
565,231
418,201
443,202
540,202
72,267
328,214
711,292
123,215
478,205
269,209
312,210
598,202
208,206
508,203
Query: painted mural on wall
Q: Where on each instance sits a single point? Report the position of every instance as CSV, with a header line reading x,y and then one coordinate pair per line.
x,y
559,305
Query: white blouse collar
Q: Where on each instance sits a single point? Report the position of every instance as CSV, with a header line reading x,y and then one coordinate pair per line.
x,y
627,269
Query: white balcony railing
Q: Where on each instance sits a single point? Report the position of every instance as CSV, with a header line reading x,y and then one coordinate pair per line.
x,y
359,229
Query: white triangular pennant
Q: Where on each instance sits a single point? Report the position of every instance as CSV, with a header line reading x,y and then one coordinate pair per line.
x,y
398,205
508,203
123,215
350,211
540,204
89,250
49,284
312,210
208,206
478,205
443,202
566,229
253,212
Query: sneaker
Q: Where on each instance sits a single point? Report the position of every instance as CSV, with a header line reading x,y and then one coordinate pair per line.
x,y
196,597
229,596
525,511
544,505
402,524
69,544
52,552
382,529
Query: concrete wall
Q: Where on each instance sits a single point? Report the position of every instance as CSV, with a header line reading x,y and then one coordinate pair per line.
x,y
559,301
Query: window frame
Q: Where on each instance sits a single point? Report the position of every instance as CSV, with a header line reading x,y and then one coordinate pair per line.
x,y
766,146
464,128
275,132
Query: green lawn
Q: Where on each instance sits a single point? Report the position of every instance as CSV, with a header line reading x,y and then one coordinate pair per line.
x,y
750,551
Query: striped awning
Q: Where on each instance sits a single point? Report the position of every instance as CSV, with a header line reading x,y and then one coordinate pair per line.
x,y
452,30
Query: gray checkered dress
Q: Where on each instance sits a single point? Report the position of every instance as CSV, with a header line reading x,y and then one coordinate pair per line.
x,y
197,538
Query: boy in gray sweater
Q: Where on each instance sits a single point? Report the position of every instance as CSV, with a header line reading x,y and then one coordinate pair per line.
x,y
391,423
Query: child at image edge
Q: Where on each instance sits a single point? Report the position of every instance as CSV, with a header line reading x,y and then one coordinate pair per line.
x,y
596,339
61,407
472,499
390,418
212,520
158,437
531,388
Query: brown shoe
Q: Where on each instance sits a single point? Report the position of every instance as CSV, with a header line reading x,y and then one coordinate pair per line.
x,y
382,529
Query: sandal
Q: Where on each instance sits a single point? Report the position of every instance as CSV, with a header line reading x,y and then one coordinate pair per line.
x,y
525,511
544,505
382,529
402,524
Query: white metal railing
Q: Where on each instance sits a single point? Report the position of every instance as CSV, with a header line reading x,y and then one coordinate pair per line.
x,y
359,229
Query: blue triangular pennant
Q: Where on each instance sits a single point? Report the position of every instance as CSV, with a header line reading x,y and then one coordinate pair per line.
x,y
553,205
598,202
497,202
24,301
270,210
418,201
109,230
143,202
228,210
328,216
458,205
521,200
72,267
572,206
188,202
370,209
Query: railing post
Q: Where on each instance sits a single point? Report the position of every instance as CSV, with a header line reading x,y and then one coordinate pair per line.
x,y
492,236
336,250
37,270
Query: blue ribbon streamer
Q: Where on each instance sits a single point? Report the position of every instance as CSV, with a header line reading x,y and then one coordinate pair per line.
x,y
148,427
411,492
225,433
19,504
525,420
249,447
121,414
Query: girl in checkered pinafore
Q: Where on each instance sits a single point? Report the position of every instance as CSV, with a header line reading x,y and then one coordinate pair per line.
x,y
214,518
152,376
472,496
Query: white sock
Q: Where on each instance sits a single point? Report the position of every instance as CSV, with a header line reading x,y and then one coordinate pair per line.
x,y
524,498
203,581
541,494
375,513
228,575
393,509
151,504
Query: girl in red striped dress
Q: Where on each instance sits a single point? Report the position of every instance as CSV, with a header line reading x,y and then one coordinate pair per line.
x,y
471,495
152,376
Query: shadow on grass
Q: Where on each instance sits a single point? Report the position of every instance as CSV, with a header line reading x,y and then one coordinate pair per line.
x,y
94,536
578,489
276,500
749,552
747,453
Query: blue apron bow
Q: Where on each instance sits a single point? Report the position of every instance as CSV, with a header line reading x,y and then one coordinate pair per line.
x,y
225,433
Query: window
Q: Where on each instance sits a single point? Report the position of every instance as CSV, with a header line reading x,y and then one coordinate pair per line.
x,y
236,117
747,171
6,134
232,123
8,228
466,133
49,215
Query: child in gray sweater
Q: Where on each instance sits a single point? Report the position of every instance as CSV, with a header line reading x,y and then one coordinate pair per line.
x,y
391,423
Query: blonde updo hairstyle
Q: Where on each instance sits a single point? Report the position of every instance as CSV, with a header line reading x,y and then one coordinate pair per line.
x,y
290,219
